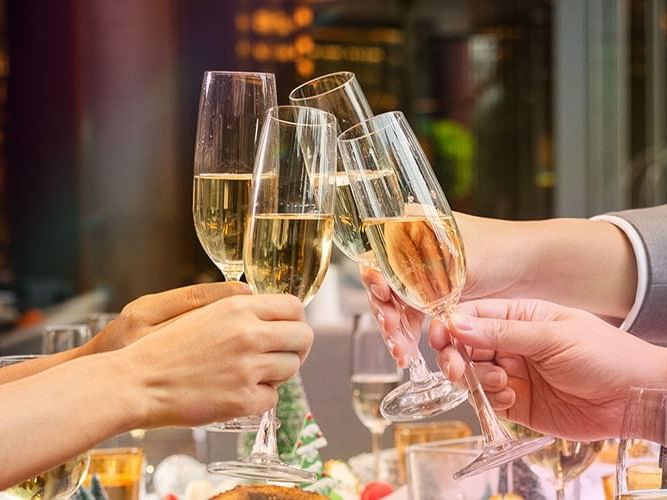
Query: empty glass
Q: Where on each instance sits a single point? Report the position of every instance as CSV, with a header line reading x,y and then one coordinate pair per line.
x,y
641,468
59,338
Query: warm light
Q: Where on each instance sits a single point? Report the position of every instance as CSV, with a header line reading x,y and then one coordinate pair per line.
x,y
242,22
304,44
303,16
262,21
284,52
261,51
243,49
305,67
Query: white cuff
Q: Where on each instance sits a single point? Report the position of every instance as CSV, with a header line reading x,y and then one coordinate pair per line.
x,y
642,264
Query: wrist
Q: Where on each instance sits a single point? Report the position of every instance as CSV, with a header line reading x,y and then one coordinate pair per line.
x,y
133,395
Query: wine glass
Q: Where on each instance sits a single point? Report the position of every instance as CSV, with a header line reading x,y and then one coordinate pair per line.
x,y
58,483
231,109
426,394
59,338
562,462
373,375
418,246
641,467
289,241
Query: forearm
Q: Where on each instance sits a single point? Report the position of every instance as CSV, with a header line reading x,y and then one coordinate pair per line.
x,y
56,414
580,263
21,370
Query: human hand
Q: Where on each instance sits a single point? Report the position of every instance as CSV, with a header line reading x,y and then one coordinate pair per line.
x,y
557,370
151,312
220,361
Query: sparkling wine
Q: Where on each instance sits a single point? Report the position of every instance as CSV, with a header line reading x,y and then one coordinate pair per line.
x,y
349,234
289,253
422,257
644,495
564,460
119,471
61,481
368,390
220,210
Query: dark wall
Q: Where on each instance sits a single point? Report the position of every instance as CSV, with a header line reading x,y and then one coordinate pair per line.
x,y
43,184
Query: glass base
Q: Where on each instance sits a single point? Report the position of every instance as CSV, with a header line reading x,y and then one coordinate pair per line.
x,y
497,454
415,402
241,424
262,467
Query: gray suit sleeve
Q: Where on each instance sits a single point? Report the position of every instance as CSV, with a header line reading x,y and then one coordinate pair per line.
x,y
651,224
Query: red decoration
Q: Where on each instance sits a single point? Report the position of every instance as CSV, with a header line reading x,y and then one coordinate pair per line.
x,y
376,490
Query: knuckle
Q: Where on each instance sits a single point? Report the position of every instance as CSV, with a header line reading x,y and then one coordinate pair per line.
x,y
293,307
196,295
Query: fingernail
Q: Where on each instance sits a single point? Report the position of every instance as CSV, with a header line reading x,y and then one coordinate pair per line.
x,y
445,368
379,316
463,323
504,397
492,378
376,290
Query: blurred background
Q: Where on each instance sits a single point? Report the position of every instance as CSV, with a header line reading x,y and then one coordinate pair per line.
x,y
527,109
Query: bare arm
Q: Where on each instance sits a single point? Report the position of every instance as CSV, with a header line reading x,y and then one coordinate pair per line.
x,y
137,319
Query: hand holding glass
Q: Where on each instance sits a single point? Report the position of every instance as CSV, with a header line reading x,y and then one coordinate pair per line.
x,y
418,247
289,241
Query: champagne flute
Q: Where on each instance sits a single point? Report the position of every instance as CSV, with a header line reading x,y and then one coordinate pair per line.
x,y
641,467
288,241
57,483
562,462
374,375
415,239
426,394
231,109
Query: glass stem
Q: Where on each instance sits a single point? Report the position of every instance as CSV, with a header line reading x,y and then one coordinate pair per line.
x,y
492,431
560,493
375,448
419,372
265,445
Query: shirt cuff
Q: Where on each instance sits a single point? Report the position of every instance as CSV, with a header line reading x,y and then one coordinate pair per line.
x,y
642,264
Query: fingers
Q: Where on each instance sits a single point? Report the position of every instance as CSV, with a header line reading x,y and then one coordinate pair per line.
x,y
517,337
502,400
285,336
269,307
277,367
374,282
159,307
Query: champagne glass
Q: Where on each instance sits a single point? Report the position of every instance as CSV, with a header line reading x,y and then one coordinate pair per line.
x,y
415,239
57,483
231,109
641,467
374,375
562,462
289,241
426,394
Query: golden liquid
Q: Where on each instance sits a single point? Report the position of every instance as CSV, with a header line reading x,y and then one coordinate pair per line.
x,y
288,253
564,460
220,210
368,391
59,482
119,470
349,234
422,258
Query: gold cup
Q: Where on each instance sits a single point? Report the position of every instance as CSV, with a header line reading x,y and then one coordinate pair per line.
x,y
119,470
406,434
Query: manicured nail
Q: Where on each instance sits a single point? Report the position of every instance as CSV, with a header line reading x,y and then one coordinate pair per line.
x,y
492,378
463,323
504,397
445,368
379,316
377,291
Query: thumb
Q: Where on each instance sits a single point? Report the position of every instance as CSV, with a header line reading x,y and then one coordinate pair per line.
x,y
511,336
